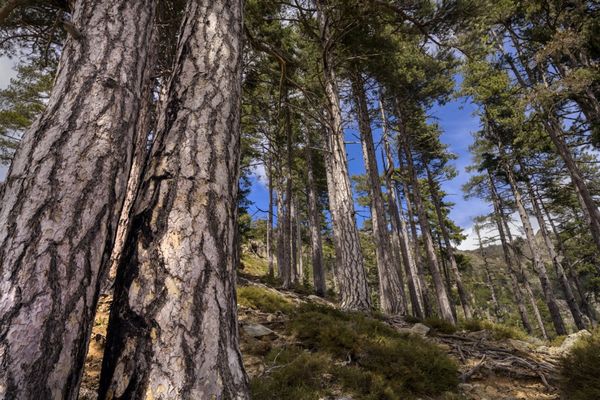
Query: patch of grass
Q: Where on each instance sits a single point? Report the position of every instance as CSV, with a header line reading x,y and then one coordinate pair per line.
x,y
361,356
580,370
557,341
440,325
498,331
294,375
262,299
254,265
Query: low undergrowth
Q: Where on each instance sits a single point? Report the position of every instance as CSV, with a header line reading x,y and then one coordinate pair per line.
x,y
580,370
498,331
264,300
336,353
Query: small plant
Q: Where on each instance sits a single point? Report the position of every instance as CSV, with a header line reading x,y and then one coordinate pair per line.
x,y
580,370
440,325
263,299
498,331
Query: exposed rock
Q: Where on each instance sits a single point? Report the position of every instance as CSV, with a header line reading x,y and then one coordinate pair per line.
x,y
572,339
420,329
257,330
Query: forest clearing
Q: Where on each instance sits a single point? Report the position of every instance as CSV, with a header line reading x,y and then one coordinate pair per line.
x,y
299,200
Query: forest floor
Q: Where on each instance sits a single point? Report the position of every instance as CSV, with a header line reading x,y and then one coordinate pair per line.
x,y
489,368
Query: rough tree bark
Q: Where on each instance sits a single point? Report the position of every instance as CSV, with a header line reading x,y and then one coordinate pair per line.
x,y
391,288
538,264
440,289
462,292
314,225
63,197
351,275
173,329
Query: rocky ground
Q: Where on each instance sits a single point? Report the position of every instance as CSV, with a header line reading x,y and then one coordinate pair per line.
x,y
490,369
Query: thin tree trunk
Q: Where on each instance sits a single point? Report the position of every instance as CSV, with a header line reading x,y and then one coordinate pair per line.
x,y
561,248
462,292
555,131
299,257
508,259
314,225
352,279
173,329
562,276
391,289
427,304
538,264
270,217
399,231
488,275
63,197
294,241
440,288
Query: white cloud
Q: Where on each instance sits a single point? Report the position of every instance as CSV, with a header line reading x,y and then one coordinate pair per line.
x,y
259,172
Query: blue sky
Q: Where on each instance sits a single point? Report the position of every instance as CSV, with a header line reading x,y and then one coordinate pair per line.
x,y
457,122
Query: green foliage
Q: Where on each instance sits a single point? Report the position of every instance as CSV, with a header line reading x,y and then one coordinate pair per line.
x,y
580,370
263,299
390,365
439,325
498,331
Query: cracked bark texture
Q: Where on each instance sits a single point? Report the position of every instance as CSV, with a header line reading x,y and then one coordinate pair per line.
x,y
351,275
391,289
172,330
63,197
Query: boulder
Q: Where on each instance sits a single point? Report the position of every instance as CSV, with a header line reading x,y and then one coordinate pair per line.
x,y
572,339
420,329
257,330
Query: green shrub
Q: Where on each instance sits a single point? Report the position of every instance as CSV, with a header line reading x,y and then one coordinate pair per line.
x,y
498,331
580,370
440,325
263,299
382,363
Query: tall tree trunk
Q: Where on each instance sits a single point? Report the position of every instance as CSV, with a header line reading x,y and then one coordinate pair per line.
x,y
427,304
145,125
352,279
440,288
561,248
289,267
173,329
63,197
562,276
556,133
294,241
399,230
488,275
462,292
270,216
508,258
538,264
314,226
283,262
391,289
